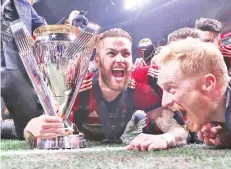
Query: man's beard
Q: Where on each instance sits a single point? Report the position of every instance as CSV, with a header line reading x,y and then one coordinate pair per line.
x,y
106,78
194,127
199,122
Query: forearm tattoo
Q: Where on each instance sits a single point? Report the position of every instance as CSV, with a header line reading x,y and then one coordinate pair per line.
x,y
163,118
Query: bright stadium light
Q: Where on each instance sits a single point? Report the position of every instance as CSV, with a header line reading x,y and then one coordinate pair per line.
x,y
133,4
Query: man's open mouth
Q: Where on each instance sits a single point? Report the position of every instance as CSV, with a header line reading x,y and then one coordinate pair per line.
x,y
184,115
118,72
182,110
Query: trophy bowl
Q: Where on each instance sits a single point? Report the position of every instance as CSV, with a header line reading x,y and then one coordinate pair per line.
x,y
62,55
51,43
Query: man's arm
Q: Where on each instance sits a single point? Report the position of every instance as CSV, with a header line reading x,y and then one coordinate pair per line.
x,y
147,75
37,20
174,133
139,74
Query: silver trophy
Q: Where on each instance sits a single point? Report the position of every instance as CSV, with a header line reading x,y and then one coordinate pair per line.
x,y
62,55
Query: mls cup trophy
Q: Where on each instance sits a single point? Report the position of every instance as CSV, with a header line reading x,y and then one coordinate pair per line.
x,y
62,55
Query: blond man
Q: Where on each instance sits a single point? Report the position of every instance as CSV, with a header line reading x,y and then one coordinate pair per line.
x,y
198,86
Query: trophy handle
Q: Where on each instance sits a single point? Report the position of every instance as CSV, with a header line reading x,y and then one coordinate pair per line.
x,y
24,43
84,43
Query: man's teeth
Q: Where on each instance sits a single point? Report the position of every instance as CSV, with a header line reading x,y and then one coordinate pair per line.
x,y
179,107
118,69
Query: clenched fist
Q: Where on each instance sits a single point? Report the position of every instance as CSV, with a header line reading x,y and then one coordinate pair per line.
x,y
147,142
215,136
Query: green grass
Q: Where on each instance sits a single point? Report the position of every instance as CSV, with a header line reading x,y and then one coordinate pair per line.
x,y
17,155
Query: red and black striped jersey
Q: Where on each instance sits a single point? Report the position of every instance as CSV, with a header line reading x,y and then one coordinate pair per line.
x,y
86,112
147,75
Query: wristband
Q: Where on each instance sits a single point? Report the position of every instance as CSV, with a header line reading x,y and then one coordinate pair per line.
x,y
170,140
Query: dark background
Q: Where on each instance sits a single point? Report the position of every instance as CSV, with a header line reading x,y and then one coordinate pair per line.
x,y
155,20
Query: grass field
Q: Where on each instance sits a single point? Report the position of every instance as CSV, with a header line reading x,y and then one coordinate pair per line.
x,y
17,155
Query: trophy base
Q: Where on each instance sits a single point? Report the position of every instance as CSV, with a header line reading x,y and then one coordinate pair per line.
x,y
73,141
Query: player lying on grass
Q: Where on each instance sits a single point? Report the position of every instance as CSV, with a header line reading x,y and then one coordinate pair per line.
x,y
149,76
198,85
107,100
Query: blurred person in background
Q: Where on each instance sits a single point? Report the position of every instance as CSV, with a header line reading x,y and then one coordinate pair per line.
x,y
76,18
16,89
211,32
146,51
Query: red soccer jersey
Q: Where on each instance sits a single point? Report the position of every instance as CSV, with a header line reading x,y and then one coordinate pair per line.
x,y
148,75
144,98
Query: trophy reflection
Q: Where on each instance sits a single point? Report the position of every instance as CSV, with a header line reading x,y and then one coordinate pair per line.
x,y
62,55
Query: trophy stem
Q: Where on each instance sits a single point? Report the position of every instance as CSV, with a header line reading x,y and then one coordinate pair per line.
x,y
70,127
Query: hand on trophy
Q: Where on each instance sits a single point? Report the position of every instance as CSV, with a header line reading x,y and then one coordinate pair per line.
x,y
45,126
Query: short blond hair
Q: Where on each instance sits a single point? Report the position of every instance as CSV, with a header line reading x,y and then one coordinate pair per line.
x,y
114,32
183,33
196,57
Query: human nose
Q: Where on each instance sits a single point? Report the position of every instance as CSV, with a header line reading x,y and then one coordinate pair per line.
x,y
167,99
119,58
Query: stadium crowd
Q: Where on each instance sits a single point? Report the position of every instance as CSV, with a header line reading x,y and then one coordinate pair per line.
x,y
175,93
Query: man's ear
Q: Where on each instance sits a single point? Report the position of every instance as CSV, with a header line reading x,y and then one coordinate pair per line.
x,y
97,58
209,82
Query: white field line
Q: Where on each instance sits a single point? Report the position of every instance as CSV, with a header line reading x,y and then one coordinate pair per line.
x,y
39,151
